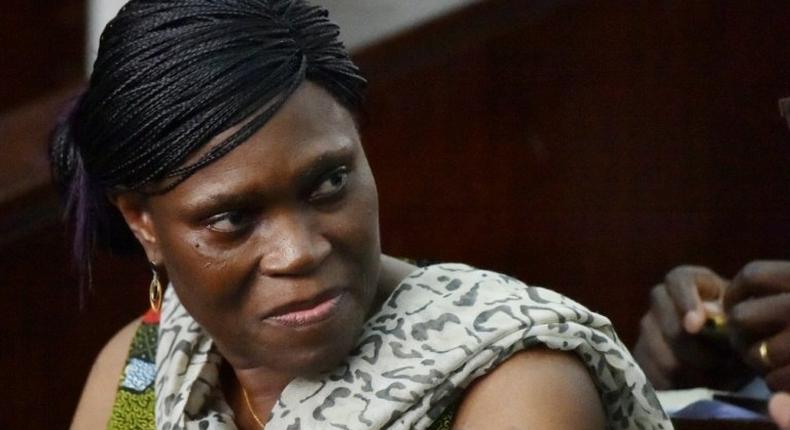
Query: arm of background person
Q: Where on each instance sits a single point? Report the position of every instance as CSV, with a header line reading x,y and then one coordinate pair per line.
x,y
538,388
98,396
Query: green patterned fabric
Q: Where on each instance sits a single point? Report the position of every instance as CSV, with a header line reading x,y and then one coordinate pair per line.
x,y
135,400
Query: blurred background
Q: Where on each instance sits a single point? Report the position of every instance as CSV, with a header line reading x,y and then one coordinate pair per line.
x,y
588,146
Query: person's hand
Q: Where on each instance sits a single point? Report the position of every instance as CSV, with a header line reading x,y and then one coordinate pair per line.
x,y
758,308
779,408
670,348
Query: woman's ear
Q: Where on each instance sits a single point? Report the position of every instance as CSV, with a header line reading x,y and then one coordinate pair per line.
x,y
137,215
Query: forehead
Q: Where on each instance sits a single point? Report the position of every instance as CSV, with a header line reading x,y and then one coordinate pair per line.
x,y
310,126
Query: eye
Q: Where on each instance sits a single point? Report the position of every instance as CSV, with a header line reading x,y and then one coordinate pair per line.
x,y
332,184
230,222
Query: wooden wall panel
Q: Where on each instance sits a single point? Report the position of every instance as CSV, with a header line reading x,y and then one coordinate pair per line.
x,y
589,147
51,338
42,44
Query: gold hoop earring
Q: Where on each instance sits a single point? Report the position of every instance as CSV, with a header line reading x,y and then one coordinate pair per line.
x,y
155,291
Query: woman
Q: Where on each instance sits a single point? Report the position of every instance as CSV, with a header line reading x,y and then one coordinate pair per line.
x,y
221,134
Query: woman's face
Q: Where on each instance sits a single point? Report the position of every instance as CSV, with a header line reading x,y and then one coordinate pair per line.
x,y
274,248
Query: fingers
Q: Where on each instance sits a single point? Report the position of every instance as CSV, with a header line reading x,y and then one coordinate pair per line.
x,y
779,408
654,354
758,303
670,355
761,317
665,314
664,322
689,287
656,377
761,332
758,278
772,356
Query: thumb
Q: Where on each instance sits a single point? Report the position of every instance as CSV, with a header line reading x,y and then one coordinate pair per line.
x,y
694,320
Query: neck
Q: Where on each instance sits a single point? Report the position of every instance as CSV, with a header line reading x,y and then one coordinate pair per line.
x,y
262,390
392,272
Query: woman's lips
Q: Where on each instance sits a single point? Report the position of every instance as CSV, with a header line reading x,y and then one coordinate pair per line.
x,y
303,314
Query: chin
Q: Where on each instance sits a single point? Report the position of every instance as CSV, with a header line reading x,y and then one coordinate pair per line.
x,y
316,361
313,349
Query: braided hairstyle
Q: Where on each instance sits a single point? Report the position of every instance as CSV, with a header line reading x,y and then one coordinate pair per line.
x,y
169,76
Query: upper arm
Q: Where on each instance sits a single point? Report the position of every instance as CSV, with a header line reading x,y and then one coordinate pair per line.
x,y
95,406
538,388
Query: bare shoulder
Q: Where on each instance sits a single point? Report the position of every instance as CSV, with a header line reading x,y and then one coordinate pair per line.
x,y
95,406
537,388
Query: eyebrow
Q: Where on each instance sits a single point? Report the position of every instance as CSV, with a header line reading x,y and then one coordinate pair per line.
x,y
318,166
214,201
205,206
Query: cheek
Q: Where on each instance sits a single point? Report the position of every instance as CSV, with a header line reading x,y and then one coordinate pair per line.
x,y
361,219
202,273
209,284
365,245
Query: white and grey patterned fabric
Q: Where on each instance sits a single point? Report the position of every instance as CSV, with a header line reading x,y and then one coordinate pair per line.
x,y
442,327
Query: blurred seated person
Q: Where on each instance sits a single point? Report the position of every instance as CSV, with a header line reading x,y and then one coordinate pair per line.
x,y
680,345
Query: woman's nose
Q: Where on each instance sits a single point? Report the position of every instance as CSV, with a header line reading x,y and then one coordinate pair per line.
x,y
293,248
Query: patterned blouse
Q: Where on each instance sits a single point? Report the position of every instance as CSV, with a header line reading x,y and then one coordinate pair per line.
x,y
444,326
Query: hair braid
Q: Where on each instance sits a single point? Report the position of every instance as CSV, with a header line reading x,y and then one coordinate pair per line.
x,y
170,76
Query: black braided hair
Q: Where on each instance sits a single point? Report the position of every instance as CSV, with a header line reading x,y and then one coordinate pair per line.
x,y
172,74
